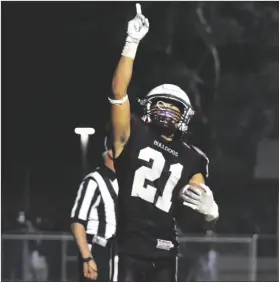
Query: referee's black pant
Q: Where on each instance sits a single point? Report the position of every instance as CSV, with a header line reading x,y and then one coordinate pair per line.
x,y
107,263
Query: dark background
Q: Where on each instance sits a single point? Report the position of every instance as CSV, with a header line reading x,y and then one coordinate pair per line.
x,y
58,60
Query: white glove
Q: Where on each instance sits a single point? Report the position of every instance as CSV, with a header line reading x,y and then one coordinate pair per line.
x,y
202,202
137,29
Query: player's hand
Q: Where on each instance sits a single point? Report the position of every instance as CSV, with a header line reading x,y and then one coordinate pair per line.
x,y
137,27
90,270
200,201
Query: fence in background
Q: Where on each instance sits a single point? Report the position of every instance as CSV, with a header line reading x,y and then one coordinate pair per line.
x,y
36,257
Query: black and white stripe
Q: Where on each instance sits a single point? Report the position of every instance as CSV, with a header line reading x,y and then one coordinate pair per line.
x,y
95,204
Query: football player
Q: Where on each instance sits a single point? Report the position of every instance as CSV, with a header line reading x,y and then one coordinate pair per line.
x,y
154,168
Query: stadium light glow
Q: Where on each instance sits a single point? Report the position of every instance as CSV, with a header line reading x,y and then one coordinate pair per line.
x,y
84,133
84,130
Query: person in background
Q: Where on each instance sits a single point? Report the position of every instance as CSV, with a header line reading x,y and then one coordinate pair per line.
x,y
93,221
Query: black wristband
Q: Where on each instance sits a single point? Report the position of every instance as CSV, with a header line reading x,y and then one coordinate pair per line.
x,y
87,259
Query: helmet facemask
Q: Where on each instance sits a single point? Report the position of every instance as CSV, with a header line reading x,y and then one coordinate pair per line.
x,y
164,115
171,120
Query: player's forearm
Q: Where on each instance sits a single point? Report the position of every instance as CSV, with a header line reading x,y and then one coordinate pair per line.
x,y
79,234
211,219
213,213
122,77
137,29
210,225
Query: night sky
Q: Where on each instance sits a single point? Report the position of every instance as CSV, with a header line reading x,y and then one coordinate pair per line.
x,y
57,65
54,78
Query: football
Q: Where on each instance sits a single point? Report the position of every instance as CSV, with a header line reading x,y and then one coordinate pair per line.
x,y
198,187
195,186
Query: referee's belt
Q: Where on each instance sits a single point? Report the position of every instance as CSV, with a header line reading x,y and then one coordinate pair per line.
x,y
95,239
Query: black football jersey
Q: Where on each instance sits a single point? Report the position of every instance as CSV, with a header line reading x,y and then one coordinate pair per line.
x,y
151,171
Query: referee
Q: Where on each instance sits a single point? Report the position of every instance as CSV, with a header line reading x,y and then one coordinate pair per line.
x,y
93,221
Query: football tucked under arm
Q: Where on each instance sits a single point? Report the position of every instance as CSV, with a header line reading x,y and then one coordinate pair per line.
x,y
196,195
200,198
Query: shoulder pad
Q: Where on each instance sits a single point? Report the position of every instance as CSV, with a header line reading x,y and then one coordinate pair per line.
x,y
197,150
203,155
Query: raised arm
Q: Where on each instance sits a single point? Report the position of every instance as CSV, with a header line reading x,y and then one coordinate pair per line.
x,y
120,107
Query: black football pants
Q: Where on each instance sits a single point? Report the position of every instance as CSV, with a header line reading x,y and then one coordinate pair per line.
x,y
140,269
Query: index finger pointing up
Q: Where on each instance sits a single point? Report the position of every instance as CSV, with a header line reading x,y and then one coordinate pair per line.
x,y
138,8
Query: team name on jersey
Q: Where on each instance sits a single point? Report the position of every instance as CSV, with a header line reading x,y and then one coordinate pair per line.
x,y
166,148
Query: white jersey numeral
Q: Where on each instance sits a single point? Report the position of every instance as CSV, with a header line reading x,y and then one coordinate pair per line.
x,y
153,173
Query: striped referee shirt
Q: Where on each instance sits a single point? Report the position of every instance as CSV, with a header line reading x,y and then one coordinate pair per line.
x,y
95,204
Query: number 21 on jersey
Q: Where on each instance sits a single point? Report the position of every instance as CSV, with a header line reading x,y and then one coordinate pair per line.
x,y
148,193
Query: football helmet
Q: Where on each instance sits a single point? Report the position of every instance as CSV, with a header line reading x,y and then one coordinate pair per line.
x,y
158,108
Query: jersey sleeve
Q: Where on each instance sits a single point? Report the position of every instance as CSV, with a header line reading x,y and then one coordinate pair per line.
x,y
201,164
86,198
